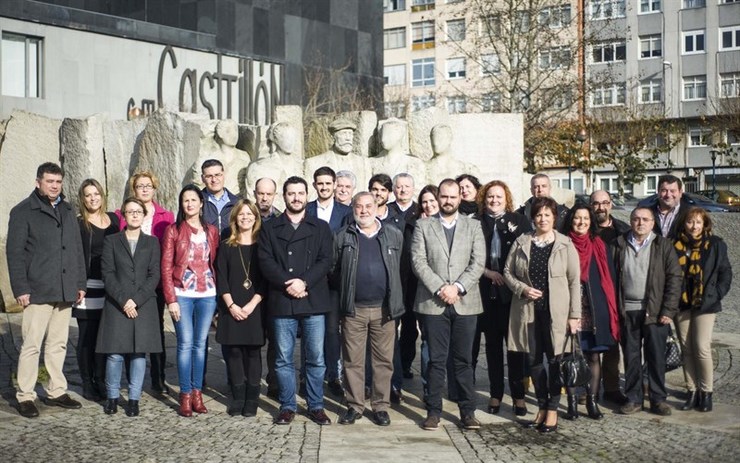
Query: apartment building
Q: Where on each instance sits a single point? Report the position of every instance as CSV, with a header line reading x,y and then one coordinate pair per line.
x,y
681,57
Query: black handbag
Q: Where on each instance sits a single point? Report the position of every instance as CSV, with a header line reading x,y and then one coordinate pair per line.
x,y
573,367
673,358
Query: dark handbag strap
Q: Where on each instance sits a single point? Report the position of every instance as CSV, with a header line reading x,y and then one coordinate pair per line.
x,y
575,347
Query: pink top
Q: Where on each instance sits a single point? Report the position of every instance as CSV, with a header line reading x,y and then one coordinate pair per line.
x,y
162,217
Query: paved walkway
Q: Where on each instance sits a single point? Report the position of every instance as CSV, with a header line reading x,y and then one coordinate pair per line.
x,y
159,434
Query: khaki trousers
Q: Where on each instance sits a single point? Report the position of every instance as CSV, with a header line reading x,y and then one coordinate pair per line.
x,y
382,332
695,335
39,321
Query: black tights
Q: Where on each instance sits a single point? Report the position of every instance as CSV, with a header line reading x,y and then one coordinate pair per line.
x,y
92,364
243,364
594,363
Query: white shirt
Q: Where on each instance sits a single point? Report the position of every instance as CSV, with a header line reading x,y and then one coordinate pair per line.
x,y
324,213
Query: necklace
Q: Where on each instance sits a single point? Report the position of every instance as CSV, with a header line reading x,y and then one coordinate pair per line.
x,y
544,240
247,282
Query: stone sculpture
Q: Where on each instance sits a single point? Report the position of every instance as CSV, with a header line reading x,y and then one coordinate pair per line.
x,y
340,156
394,159
444,165
235,161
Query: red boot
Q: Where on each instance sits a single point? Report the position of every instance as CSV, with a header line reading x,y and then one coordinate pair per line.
x,y
186,408
198,406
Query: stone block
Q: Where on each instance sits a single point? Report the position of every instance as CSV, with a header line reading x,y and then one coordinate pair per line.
x,y
292,115
120,145
81,150
420,125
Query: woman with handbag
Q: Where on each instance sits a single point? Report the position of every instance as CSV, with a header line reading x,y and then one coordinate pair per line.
x,y
189,283
707,278
599,328
501,227
241,327
543,272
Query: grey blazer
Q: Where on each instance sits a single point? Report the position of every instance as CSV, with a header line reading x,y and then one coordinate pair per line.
x,y
127,277
436,265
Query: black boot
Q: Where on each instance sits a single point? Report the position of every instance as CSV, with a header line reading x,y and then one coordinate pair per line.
x,y
251,402
111,407
237,399
691,402
133,408
705,401
592,407
572,413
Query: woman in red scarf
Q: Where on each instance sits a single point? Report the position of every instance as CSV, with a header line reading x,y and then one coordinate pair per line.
x,y
599,317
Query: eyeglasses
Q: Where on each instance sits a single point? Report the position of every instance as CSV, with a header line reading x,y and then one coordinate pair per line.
x,y
144,187
602,203
214,176
134,213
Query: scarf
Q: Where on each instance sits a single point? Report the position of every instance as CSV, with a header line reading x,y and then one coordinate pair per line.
x,y
690,254
594,248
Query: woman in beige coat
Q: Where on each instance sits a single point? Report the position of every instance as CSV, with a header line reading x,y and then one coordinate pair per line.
x,y
543,272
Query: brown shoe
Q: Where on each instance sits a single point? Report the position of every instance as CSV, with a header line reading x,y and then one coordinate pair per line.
x,y
27,409
186,405
64,401
469,422
431,423
319,417
660,408
285,417
198,406
630,408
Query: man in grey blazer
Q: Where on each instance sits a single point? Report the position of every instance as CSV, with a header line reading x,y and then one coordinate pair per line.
x,y
448,255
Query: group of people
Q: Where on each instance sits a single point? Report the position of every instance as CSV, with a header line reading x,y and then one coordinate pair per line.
x,y
342,272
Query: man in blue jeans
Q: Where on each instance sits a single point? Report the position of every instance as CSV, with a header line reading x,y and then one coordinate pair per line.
x,y
295,254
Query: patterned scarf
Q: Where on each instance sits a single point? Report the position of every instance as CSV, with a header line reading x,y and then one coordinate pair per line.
x,y
690,254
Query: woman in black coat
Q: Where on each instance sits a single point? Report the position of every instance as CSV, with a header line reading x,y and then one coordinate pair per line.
x,y
129,324
241,326
707,278
496,214
95,224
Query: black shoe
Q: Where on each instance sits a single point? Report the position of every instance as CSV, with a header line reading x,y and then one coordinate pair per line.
x,y
396,396
660,408
538,421
705,401
251,403
381,418
336,388
64,401
615,397
520,411
319,417
285,417
469,422
592,407
494,409
350,416
691,402
111,407
238,394
408,374
545,428
27,409
133,408
90,392
572,413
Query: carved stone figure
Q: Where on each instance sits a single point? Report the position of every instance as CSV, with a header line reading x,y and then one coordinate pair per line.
x,y
444,165
394,159
235,161
341,156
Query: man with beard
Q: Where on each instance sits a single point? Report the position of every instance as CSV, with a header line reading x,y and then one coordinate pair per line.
x,y
380,186
341,154
346,183
367,273
609,228
295,253
264,194
540,186
448,254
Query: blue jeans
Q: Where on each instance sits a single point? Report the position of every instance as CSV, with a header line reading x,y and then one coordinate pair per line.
x,y
196,315
285,331
114,371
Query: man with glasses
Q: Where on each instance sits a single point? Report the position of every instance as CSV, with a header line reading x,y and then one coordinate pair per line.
x,y
219,200
47,274
540,187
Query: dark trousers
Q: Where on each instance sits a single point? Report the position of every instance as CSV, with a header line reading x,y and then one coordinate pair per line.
x,y
271,378
407,339
546,380
158,360
243,364
496,328
332,340
636,335
610,369
450,333
92,365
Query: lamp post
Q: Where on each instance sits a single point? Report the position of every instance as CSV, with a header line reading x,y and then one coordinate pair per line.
x,y
581,136
713,154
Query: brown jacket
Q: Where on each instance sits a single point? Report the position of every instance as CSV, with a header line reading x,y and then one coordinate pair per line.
x,y
564,284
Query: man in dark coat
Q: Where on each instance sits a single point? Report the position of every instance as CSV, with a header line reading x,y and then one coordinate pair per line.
x,y
295,253
540,186
219,201
670,208
47,274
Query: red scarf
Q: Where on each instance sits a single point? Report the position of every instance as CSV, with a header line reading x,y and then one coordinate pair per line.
x,y
595,248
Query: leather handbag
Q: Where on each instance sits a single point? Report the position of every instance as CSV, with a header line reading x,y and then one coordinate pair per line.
x,y
573,367
673,358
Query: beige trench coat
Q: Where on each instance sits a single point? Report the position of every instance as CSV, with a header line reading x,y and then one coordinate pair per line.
x,y
564,285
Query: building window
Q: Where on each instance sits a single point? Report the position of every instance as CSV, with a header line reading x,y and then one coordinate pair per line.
x,y
422,72
422,5
455,68
521,24
422,102
21,66
456,30
489,64
729,38
490,26
555,16
649,6
693,42
695,88
608,95
422,35
694,3
651,46
699,136
521,101
456,104
651,91
555,58
557,98
730,1
651,184
608,9
394,38
395,74
491,102
394,5
394,109
609,52
730,85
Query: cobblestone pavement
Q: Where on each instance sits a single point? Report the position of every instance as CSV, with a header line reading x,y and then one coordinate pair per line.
x,y
160,435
